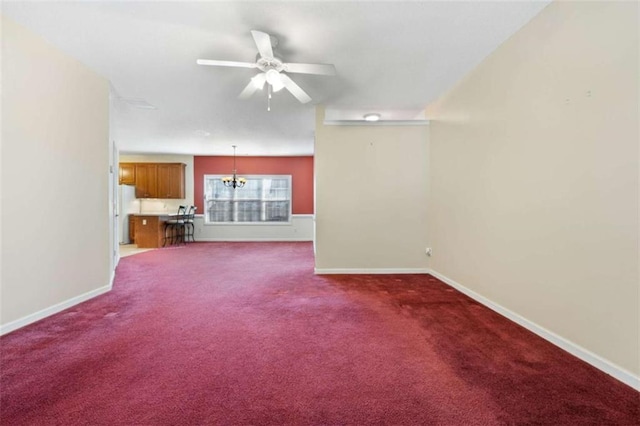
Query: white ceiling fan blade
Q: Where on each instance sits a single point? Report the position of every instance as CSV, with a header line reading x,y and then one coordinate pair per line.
x,y
226,63
249,90
263,42
320,69
256,83
295,90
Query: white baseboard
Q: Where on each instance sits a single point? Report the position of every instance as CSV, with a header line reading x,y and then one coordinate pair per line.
x,y
327,271
253,239
37,316
576,350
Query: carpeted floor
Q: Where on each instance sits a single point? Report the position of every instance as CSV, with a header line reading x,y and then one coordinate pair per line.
x,y
244,333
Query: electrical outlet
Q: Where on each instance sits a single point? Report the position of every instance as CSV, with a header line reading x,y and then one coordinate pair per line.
x,y
428,251
144,221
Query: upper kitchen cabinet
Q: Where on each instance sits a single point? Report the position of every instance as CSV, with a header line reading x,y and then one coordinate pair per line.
x,y
171,180
127,174
146,180
154,180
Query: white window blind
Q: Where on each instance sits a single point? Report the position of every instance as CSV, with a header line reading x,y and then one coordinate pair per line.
x,y
264,199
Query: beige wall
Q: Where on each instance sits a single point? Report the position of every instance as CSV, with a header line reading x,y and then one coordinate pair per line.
x,y
165,205
371,197
534,162
55,188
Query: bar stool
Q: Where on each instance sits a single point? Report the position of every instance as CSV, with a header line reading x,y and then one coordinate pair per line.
x,y
189,226
175,227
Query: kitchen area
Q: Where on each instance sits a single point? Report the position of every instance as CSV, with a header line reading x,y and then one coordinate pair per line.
x,y
150,190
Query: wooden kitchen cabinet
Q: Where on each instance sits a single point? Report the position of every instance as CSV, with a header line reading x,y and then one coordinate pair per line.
x,y
171,180
146,180
132,229
155,180
150,230
127,174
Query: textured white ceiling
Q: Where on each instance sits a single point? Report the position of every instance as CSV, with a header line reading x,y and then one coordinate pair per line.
x,y
388,55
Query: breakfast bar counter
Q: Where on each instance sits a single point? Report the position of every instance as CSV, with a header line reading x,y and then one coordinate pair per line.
x,y
149,229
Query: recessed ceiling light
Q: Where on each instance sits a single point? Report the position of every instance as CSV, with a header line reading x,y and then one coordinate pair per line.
x,y
372,117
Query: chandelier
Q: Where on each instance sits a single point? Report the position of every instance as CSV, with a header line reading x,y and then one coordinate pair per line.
x,y
234,181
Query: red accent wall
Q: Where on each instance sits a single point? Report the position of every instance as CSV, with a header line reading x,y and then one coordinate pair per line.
x,y
300,169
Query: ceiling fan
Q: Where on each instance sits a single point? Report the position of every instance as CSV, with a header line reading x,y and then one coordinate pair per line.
x,y
273,70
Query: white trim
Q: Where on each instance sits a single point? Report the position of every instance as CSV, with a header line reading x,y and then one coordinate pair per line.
x,y
299,229
574,349
323,271
37,316
287,223
250,239
201,215
376,123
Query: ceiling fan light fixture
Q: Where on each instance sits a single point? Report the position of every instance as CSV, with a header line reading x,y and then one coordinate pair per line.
x,y
277,86
374,116
274,79
271,67
273,76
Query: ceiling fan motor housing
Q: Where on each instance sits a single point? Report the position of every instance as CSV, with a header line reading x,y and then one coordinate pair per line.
x,y
266,64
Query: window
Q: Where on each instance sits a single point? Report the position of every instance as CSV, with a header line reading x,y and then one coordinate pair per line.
x,y
264,198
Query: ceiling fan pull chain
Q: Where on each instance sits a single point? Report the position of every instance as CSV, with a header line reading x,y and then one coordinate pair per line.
x,y
268,97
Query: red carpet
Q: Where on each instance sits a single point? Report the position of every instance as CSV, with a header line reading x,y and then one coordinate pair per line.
x,y
244,333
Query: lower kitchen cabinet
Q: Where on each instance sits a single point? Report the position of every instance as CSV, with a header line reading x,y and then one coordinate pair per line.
x,y
132,229
150,230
